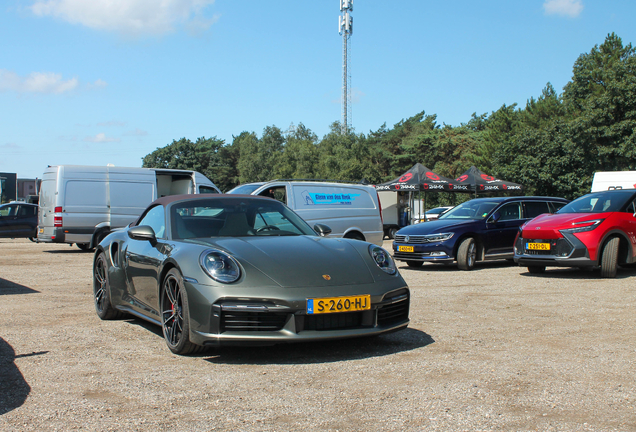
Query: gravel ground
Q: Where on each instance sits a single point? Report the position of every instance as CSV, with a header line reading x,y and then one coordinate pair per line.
x,y
494,349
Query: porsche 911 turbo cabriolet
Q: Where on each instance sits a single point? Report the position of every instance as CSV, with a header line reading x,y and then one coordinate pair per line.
x,y
216,270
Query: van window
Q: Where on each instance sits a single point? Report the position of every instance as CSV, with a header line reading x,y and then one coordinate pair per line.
x,y
535,208
278,193
207,190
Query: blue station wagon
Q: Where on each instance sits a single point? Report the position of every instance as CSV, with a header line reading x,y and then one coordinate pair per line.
x,y
477,230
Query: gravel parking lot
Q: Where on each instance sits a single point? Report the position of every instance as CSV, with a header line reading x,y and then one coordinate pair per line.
x,y
491,349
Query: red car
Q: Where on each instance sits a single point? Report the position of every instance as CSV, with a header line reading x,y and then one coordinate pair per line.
x,y
596,230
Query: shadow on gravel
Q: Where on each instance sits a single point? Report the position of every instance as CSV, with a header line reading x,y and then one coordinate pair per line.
x,y
322,352
575,273
70,250
8,288
481,265
13,387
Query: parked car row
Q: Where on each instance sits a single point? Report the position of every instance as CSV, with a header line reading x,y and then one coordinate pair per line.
x,y
597,230
18,220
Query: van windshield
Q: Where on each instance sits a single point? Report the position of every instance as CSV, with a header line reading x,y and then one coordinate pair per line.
x,y
470,210
245,189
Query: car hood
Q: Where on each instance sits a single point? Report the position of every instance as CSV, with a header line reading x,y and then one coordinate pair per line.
x,y
547,226
299,261
436,226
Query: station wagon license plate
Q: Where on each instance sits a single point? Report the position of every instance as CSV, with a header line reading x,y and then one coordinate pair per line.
x,y
338,304
405,248
538,246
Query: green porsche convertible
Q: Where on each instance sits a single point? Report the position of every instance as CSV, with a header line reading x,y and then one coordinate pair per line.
x,y
215,270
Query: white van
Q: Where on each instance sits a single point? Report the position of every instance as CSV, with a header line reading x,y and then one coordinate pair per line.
x,y
350,210
82,204
606,180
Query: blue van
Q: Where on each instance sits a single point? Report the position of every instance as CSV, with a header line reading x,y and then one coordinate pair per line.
x,y
477,230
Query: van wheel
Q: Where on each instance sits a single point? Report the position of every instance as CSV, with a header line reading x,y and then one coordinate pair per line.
x,y
355,236
467,254
392,232
610,258
86,247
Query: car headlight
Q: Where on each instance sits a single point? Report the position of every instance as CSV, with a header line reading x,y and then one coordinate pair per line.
x,y
583,226
382,259
439,237
220,266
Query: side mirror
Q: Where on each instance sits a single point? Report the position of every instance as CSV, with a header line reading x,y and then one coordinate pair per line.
x,y
322,230
144,233
495,217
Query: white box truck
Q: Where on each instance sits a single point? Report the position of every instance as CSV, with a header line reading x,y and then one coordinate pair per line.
x,y
351,210
605,180
82,204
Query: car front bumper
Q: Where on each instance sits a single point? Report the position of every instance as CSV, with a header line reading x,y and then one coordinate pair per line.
x,y
269,321
568,251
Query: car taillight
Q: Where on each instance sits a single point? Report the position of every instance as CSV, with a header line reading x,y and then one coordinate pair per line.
x,y
57,217
380,207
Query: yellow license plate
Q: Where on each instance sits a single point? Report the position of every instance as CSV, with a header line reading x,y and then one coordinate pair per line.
x,y
405,248
338,304
538,246
41,230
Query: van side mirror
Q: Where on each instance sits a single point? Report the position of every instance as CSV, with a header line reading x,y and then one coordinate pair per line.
x,y
495,217
322,230
144,233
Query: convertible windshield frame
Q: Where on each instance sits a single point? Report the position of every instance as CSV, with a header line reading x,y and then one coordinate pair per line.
x,y
232,217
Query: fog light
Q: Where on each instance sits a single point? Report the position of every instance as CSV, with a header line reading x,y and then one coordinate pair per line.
x,y
438,253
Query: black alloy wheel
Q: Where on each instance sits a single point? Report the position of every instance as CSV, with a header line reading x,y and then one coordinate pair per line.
x,y
101,290
175,319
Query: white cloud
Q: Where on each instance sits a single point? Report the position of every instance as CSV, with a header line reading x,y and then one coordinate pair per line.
x,y
36,82
137,132
570,8
100,138
130,17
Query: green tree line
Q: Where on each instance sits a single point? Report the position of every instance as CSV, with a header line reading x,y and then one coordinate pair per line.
x,y
552,146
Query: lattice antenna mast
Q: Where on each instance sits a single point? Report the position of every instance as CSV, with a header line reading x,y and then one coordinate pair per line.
x,y
345,29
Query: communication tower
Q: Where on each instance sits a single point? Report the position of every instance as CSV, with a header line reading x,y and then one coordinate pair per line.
x,y
345,29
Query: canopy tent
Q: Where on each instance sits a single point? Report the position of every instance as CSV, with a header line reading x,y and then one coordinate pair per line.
x,y
475,181
418,178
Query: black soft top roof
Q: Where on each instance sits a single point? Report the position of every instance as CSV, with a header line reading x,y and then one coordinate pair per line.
x,y
164,201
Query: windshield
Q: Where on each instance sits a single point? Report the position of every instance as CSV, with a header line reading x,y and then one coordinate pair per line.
x,y
245,189
234,217
470,210
600,202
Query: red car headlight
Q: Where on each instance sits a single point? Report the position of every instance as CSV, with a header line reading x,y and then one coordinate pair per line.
x,y
584,226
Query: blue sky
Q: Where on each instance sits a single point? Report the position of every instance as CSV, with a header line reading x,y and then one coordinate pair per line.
x,y
94,82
